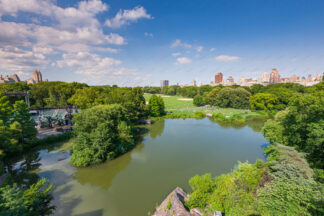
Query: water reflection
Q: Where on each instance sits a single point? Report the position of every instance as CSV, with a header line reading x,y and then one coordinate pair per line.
x,y
254,122
157,128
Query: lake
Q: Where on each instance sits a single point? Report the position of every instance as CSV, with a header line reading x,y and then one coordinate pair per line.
x,y
171,153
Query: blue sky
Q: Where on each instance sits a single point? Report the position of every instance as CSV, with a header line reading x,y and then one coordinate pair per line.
x,y
133,43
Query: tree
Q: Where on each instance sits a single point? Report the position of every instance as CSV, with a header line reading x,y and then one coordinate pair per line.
x,y
85,98
211,97
26,123
256,88
5,109
102,133
156,106
263,101
302,126
198,100
35,200
235,98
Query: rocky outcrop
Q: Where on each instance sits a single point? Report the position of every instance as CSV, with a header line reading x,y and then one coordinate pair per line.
x,y
173,205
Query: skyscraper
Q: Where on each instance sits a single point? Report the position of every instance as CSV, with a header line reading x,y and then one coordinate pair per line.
x,y
219,78
274,76
164,83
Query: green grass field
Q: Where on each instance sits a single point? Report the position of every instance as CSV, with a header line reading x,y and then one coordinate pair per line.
x,y
176,107
173,102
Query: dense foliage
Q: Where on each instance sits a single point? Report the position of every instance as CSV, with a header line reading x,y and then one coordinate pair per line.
x,y
17,128
34,200
198,100
235,98
302,126
156,106
102,133
263,101
282,186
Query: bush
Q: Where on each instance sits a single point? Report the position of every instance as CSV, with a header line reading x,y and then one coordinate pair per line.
x,y
198,100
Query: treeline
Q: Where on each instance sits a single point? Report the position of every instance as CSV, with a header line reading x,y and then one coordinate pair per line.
x,y
257,97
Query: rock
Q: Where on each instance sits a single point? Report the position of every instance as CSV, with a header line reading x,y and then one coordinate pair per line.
x,y
173,204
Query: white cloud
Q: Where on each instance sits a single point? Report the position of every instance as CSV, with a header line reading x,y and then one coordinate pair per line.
x,y
176,54
97,70
200,48
183,60
74,29
148,34
126,16
178,43
212,49
15,59
225,58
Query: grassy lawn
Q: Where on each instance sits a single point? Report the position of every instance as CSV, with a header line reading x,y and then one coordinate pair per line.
x,y
173,102
185,107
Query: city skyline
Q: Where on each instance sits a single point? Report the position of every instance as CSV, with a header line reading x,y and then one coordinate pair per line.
x,y
140,43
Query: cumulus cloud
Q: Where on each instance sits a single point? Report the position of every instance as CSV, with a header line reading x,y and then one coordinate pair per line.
x,y
200,48
179,43
16,59
99,70
72,29
226,58
183,60
124,17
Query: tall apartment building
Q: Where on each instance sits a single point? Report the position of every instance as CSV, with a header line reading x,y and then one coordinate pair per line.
x,y
164,83
219,78
274,76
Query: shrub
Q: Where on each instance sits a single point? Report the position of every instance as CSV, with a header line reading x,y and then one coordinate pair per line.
x,y
198,100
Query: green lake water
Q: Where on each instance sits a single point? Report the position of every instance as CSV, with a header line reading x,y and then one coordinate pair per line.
x,y
171,153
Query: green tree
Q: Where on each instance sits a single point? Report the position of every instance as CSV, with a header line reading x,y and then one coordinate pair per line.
x,y
5,109
235,98
102,133
35,200
198,100
26,123
85,98
211,97
156,106
263,101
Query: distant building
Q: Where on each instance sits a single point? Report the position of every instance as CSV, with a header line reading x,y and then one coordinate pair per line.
x,y
164,83
36,78
263,79
219,78
9,79
274,76
194,83
293,78
229,81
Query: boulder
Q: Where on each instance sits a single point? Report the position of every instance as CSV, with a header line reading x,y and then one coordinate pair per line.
x,y
173,205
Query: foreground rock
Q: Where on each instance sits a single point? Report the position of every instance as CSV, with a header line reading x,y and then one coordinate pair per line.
x,y
173,205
